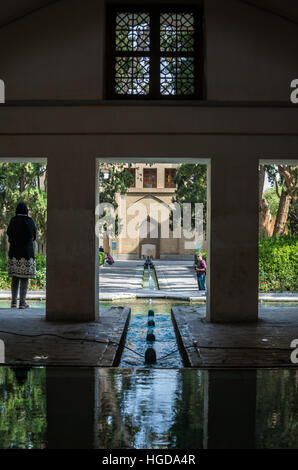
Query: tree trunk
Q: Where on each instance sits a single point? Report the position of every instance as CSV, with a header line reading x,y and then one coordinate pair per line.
x,y
265,217
22,184
44,184
282,214
261,182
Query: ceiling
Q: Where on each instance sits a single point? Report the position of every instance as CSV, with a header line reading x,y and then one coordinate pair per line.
x,y
285,8
11,10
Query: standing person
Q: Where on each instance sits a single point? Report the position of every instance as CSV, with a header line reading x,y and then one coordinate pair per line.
x,y
201,271
21,263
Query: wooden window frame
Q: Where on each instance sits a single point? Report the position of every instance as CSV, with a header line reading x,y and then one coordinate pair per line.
x,y
155,54
167,184
149,170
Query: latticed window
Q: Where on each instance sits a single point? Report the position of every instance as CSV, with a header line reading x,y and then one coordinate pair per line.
x,y
150,178
170,174
154,52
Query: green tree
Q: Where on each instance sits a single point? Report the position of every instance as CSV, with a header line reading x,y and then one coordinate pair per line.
x,y
113,180
273,200
22,182
284,178
191,181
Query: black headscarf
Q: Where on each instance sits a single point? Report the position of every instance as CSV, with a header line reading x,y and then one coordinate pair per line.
x,y
22,209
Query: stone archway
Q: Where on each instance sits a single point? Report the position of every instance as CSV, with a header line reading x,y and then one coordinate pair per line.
x,y
150,244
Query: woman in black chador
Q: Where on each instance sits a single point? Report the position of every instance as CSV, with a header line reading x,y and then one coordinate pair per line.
x,y
21,264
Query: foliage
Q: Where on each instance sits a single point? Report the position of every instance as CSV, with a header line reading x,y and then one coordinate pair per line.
x,y
113,180
176,67
273,200
3,244
22,182
23,420
278,263
293,217
277,412
191,181
204,255
5,280
40,261
284,180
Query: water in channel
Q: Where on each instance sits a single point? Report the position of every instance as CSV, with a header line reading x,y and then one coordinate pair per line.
x,y
165,337
150,280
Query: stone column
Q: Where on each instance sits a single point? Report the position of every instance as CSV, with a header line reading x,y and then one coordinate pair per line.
x,y
232,271
72,408
72,287
230,409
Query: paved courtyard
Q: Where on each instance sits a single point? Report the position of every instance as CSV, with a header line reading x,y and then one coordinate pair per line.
x,y
177,279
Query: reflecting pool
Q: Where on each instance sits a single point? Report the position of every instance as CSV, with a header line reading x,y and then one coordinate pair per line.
x,y
146,408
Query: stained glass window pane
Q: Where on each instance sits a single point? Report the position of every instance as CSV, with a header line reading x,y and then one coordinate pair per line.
x,y
132,32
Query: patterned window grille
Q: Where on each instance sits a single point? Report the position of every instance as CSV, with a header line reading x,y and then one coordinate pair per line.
x,y
150,178
154,53
170,174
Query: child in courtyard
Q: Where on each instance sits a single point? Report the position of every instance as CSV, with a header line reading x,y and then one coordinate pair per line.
x,y
110,259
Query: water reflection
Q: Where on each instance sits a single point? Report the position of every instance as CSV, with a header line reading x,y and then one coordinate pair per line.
x,y
156,409
277,409
23,417
148,408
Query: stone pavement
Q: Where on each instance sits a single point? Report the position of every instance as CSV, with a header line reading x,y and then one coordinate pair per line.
x,y
179,277
123,277
59,343
177,280
266,343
